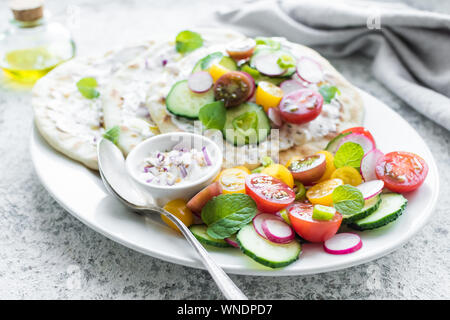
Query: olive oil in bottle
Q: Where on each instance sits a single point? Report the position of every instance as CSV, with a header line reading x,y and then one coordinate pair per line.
x,y
32,46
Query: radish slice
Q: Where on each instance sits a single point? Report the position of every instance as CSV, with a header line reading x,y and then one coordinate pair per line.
x,y
371,188
252,81
368,164
289,86
309,70
275,117
259,219
232,241
343,243
267,64
200,81
277,231
360,139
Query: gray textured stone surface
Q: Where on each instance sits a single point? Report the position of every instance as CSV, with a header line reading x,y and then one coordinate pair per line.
x,y
46,253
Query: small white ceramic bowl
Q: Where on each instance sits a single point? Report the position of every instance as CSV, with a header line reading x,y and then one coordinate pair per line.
x,y
166,142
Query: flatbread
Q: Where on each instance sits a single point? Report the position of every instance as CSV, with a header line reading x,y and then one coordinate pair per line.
x,y
69,122
300,140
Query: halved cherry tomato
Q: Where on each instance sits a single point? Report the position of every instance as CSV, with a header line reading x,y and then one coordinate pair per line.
x,y
270,194
241,49
300,216
401,171
179,209
301,106
308,169
280,172
217,70
232,180
322,193
329,158
197,203
268,95
361,130
233,88
349,175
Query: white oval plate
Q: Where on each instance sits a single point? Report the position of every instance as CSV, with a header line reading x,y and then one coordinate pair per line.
x,y
80,191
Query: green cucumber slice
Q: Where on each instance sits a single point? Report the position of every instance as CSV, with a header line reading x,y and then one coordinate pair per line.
x,y
215,57
391,207
181,101
199,231
370,205
332,145
267,253
237,116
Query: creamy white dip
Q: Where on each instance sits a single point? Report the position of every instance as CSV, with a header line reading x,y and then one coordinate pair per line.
x,y
175,167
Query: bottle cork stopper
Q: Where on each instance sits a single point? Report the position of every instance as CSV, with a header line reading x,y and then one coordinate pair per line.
x,y
27,10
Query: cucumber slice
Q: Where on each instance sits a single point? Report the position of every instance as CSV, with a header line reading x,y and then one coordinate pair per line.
x,y
391,207
215,57
270,254
370,206
333,144
248,110
181,101
199,231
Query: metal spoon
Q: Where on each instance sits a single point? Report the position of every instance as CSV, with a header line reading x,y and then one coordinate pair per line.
x,y
111,165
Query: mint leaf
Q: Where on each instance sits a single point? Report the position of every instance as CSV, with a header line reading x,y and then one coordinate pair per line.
x,y
112,134
349,154
187,41
87,87
228,213
347,199
213,115
328,92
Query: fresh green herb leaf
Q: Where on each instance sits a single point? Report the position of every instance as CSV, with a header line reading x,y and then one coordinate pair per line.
x,y
228,213
349,154
87,87
267,42
286,61
347,199
187,41
323,213
328,92
267,161
300,191
112,134
213,115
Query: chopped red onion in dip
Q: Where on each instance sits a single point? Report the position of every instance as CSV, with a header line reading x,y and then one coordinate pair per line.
x,y
175,167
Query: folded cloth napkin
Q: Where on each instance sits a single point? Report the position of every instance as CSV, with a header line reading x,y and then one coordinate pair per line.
x,y
410,47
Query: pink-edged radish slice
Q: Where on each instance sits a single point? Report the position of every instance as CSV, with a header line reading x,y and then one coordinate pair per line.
x,y
371,188
368,163
275,117
232,241
267,64
343,243
277,231
360,139
259,219
200,81
309,70
289,86
252,82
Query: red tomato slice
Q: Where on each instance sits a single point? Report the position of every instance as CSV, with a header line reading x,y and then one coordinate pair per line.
x,y
300,215
270,194
197,203
401,171
361,130
301,106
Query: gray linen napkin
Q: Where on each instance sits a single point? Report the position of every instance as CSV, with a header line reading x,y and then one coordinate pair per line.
x,y
410,48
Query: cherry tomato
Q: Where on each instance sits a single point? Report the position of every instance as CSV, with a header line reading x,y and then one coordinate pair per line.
x,y
322,193
308,169
233,88
241,49
300,216
268,95
280,172
197,203
401,171
301,106
361,130
270,194
232,180
329,158
179,209
349,175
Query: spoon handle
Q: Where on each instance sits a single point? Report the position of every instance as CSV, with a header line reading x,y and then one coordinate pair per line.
x,y
223,281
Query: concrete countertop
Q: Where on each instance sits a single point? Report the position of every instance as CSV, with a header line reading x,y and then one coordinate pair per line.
x,y
45,253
